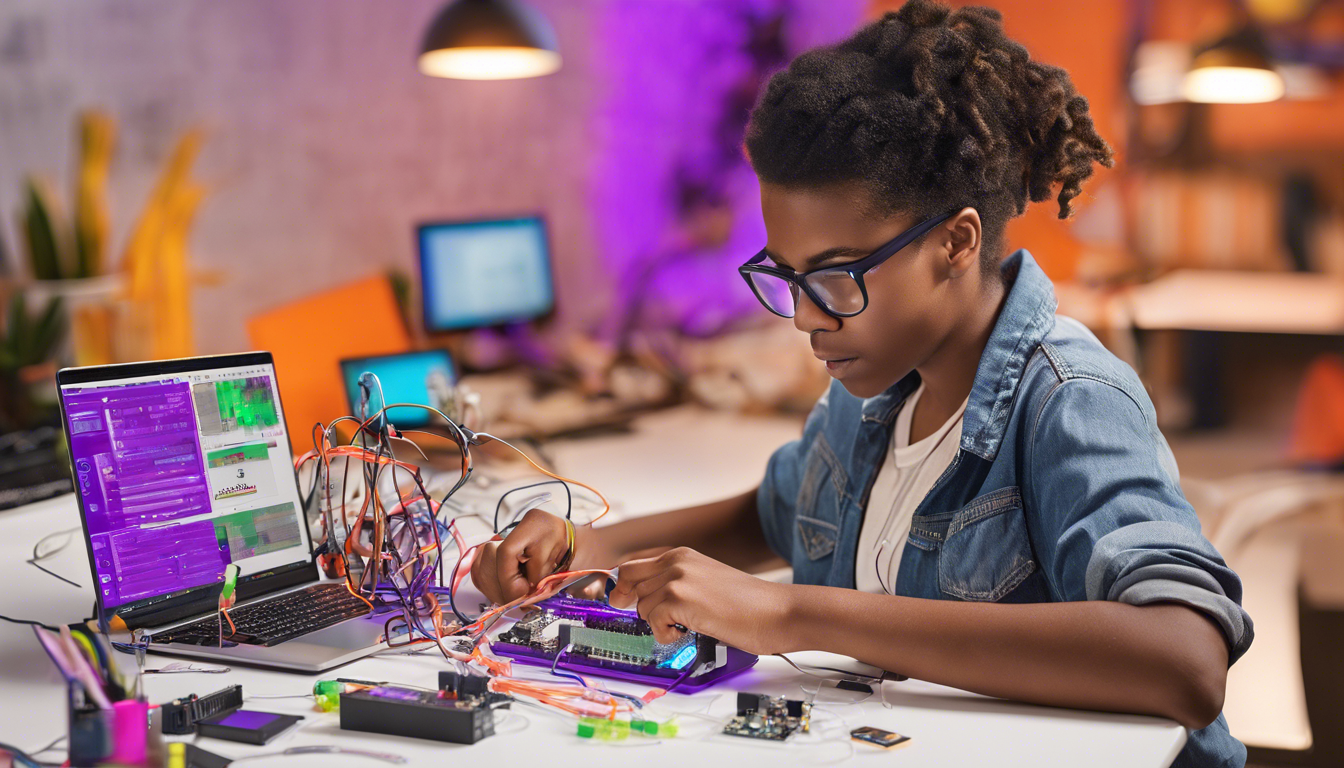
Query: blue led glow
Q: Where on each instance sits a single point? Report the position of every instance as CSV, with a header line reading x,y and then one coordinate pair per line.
x,y
684,656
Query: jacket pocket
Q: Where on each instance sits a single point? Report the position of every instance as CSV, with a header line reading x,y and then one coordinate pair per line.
x,y
817,537
986,551
817,514
823,482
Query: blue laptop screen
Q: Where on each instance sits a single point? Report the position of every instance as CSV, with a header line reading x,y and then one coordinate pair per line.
x,y
407,378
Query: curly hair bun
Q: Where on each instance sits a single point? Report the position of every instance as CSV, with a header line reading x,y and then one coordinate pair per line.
x,y
930,109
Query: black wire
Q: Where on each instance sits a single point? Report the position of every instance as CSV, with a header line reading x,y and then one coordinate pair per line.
x,y
53,573
19,756
36,556
49,747
452,604
569,498
30,623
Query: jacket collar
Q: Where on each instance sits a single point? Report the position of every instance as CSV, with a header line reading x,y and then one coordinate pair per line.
x,y
1028,315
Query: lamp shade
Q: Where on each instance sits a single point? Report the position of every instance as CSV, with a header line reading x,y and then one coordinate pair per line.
x,y
489,40
1233,70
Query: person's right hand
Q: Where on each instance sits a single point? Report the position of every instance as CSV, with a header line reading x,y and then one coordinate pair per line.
x,y
507,570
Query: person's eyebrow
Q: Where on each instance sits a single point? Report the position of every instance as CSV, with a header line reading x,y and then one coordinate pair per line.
x,y
816,260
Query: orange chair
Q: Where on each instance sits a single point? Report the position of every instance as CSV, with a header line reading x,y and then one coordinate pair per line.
x,y
1318,423
308,339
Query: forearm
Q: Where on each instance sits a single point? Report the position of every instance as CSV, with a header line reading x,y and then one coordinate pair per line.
x,y
727,530
1166,660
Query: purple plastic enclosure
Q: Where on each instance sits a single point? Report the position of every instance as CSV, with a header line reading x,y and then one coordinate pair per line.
x,y
737,661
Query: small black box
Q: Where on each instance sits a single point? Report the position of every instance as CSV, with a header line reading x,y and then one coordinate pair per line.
x,y
418,714
751,702
794,707
464,686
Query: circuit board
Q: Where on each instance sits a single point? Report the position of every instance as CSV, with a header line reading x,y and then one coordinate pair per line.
x,y
591,637
586,629
773,718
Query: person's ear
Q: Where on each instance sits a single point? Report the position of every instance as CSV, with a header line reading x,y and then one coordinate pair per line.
x,y
962,241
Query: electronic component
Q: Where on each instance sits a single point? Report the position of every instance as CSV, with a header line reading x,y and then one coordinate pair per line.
x,y
246,725
604,729
464,686
591,637
773,718
181,715
439,715
883,739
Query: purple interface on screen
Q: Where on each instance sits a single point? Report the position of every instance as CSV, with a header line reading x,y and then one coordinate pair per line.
x,y
139,464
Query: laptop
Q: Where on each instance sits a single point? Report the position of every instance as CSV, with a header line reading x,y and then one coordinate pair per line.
x,y
420,378
182,467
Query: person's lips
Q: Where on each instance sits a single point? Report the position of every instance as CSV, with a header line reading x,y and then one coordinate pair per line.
x,y
835,364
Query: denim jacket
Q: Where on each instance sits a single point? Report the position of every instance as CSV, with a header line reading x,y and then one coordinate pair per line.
x,y
1063,489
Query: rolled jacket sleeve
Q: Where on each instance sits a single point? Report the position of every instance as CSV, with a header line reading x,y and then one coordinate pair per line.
x,y
1112,523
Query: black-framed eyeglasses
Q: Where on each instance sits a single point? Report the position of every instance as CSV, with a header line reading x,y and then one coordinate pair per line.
x,y
838,290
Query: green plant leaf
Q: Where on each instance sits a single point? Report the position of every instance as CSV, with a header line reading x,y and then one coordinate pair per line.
x,y
19,334
48,331
43,251
5,266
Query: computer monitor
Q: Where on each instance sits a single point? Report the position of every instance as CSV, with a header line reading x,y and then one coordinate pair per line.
x,y
405,378
182,467
477,274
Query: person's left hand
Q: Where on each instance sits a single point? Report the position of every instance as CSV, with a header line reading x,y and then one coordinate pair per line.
x,y
683,587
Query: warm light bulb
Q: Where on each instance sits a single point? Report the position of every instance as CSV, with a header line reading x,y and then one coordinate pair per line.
x,y
489,63
1232,85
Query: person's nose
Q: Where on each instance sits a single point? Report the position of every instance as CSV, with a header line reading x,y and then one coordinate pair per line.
x,y
808,317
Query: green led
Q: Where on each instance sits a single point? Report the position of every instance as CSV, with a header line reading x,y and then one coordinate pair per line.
x,y
613,730
586,730
328,688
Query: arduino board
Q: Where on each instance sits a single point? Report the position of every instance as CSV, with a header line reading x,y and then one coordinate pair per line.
x,y
591,637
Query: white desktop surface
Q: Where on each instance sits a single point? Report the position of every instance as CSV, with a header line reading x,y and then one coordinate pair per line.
x,y
948,726
1248,302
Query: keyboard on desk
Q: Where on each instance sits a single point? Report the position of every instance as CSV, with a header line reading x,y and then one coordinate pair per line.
x,y
274,621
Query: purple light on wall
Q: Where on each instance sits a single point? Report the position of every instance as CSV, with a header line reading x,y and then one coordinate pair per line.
x,y
674,66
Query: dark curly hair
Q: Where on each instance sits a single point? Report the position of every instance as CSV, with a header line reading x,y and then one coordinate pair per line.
x,y
930,110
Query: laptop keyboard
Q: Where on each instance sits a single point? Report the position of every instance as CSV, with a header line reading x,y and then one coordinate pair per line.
x,y
274,621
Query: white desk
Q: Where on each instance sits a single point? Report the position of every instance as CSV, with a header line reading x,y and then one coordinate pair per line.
x,y
1249,302
949,727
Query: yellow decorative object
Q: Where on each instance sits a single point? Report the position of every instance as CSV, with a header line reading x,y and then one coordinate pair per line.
x,y
97,138
158,279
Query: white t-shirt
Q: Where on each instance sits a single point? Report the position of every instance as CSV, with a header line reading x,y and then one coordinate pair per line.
x,y
907,475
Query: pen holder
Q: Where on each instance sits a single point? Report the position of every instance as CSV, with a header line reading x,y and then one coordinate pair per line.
x,y
91,728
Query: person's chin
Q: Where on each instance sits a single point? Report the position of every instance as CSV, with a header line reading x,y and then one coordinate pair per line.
x,y
862,389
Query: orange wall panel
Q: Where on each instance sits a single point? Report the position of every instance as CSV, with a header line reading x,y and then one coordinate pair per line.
x,y
309,338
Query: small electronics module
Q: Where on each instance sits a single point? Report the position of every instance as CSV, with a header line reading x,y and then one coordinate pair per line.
x,y
773,718
591,637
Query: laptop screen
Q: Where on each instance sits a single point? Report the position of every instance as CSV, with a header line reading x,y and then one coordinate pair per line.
x,y
407,378
181,474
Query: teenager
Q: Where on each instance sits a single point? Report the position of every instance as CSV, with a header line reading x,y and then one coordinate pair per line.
x,y
982,498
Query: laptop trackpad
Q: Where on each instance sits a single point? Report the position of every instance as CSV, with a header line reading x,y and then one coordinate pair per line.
x,y
359,633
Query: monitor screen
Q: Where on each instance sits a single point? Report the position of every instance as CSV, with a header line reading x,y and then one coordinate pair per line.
x,y
483,273
181,474
408,378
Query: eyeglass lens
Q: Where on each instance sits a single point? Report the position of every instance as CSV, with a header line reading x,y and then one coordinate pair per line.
x,y
838,291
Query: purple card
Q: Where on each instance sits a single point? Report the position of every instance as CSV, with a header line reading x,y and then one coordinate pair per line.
x,y
247,719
